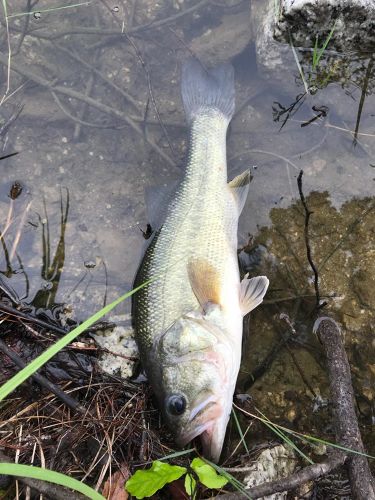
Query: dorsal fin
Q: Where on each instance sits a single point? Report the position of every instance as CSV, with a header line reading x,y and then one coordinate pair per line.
x,y
239,187
205,281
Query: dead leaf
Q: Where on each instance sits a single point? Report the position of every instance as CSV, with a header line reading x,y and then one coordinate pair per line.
x,y
114,487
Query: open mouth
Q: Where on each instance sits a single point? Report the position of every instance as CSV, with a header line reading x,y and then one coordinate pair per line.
x,y
203,421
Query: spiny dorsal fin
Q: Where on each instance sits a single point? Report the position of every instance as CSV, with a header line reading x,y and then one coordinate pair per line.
x,y
252,292
239,187
205,281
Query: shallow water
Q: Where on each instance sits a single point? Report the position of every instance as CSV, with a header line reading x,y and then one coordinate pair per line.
x,y
75,229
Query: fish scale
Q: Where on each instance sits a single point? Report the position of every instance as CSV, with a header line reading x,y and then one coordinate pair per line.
x,y
198,224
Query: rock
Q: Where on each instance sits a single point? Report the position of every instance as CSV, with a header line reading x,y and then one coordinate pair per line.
x,y
273,463
273,58
224,42
120,341
354,22
305,20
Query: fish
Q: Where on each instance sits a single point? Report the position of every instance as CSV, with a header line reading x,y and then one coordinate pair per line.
x,y
188,318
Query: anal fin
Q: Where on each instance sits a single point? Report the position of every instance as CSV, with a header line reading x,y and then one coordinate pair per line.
x,y
252,292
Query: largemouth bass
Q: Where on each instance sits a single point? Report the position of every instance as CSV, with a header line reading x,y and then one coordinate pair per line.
x,y
188,320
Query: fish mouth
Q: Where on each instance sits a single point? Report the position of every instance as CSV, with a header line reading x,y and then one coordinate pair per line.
x,y
205,422
210,438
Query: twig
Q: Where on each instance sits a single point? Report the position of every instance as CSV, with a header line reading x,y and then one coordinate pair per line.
x,y
73,55
50,490
19,232
307,241
8,59
303,476
82,112
343,407
43,381
285,317
149,84
363,97
90,101
79,30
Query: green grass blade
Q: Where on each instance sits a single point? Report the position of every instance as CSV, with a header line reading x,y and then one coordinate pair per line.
x,y
305,437
299,65
177,454
49,476
315,53
318,54
51,9
231,479
38,362
242,437
285,438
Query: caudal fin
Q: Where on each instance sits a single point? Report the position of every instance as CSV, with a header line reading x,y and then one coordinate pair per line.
x,y
202,89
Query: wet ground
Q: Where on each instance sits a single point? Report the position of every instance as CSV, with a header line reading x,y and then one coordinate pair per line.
x,y
94,112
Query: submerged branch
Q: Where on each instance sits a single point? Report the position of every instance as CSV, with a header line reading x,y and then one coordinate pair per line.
x,y
50,85
307,241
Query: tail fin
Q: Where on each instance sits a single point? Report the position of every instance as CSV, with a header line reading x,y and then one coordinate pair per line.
x,y
207,89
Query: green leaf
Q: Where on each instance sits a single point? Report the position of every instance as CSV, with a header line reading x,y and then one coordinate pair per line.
x,y
49,476
144,483
207,474
190,485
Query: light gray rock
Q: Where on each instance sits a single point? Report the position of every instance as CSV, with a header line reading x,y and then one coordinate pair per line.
x,y
354,22
272,463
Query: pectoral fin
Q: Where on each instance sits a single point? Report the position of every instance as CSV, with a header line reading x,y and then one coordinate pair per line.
x,y
205,281
252,292
239,188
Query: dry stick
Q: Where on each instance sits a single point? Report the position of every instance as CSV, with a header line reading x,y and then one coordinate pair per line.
x,y
88,100
19,232
303,476
307,241
343,407
82,112
50,490
79,30
150,89
73,55
43,381
12,311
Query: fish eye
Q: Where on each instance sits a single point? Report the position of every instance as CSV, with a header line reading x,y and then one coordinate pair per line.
x,y
176,404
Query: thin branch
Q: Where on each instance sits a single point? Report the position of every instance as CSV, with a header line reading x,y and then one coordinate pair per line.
x,y
43,381
307,241
90,101
343,407
291,482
